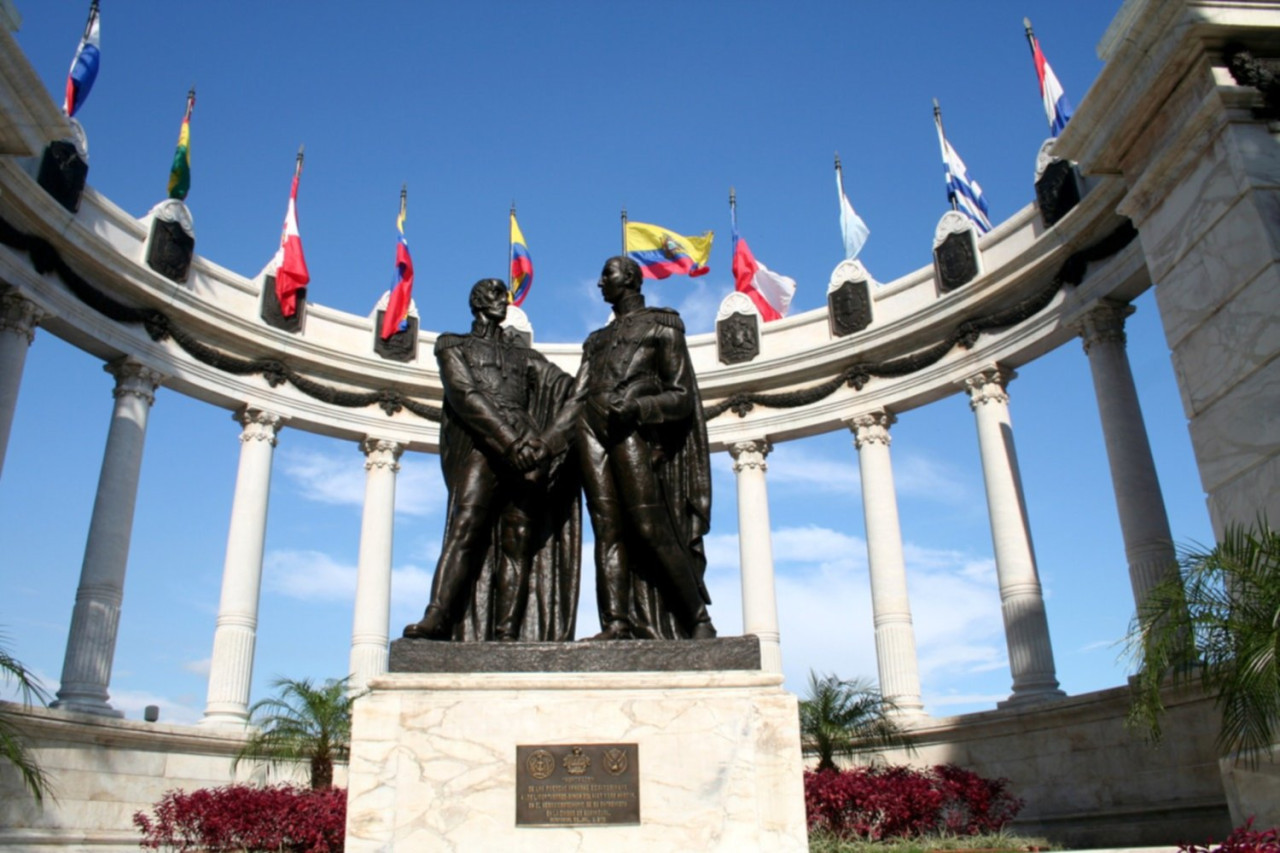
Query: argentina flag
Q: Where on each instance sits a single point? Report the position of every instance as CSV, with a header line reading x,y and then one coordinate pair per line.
x,y
963,192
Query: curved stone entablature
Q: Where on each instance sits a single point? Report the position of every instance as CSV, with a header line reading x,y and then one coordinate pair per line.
x,y
87,273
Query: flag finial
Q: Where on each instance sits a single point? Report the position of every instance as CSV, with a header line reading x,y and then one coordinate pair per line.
x,y
1026,23
837,161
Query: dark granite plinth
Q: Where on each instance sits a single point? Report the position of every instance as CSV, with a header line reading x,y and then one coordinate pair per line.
x,y
599,656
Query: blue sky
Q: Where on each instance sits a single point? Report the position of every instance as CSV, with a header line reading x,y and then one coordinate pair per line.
x,y
573,111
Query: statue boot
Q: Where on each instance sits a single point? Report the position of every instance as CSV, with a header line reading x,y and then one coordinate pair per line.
x,y
434,625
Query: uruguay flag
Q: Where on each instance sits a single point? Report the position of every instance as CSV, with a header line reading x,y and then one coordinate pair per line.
x,y
84,68
1056,106
963,192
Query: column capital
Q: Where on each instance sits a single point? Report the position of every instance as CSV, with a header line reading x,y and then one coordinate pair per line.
x,y
988,385
871,427
750,454
19,315
1104,323
259,424
382,453
134,379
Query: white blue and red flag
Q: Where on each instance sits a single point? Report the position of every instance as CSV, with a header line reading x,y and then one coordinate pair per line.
x,y
84,68
772,293
962,191
396,317
1056,106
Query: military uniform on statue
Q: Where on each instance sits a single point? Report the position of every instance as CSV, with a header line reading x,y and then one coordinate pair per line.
x,y
509,566
636,417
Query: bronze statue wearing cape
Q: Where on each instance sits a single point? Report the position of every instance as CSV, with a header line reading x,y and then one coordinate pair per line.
x,y
509,568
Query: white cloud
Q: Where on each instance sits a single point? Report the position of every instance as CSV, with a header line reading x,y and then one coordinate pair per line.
x,y
339,479
316,577
919,476
198,667
175,711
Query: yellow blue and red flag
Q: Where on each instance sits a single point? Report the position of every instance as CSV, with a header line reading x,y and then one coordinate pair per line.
x,y
521,264
84,67
396,318
662,253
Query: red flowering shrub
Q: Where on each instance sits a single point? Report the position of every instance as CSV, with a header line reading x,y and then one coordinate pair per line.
x,y
1243,839
902,802
247,818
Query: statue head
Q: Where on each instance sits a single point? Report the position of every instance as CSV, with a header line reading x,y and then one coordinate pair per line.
x,y
489,298
620,275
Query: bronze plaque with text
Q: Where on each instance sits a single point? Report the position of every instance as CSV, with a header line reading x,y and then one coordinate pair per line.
x,y
577,784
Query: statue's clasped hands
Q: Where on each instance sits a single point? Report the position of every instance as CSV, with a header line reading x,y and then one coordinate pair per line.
x,y
528,453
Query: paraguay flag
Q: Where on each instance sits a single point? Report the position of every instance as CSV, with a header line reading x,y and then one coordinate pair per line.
x,y
290,264
662,253
396,318
180,172
1056,106
84,68
521,264
962,191
771,292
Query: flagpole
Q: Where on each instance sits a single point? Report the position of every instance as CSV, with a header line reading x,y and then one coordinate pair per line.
x,y
733,213
297,168
942,136
624,229
404,207
839,173
88,24
1031,36
511,252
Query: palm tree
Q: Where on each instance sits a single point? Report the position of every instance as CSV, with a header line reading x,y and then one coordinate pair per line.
x,y
847,717
302,723
13,747
1219,622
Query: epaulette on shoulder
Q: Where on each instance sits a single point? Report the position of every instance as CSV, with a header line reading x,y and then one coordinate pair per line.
x,y
448,340
594,336
668,317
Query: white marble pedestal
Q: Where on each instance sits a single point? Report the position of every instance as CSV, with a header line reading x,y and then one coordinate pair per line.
x,y
433,762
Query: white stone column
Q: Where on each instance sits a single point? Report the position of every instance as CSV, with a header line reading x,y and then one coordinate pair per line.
x,y
231,667
755,550
1025,626
18,319
1144,523
370,626
896,660
91,644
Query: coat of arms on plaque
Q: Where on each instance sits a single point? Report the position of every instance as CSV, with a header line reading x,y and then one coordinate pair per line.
x,y
576,762
541,764
615,760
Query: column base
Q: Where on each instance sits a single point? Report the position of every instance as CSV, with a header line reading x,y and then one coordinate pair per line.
x,y
1024,698
87,706
224,720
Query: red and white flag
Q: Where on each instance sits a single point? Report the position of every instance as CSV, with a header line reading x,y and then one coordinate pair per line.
x,y
290,264
770,291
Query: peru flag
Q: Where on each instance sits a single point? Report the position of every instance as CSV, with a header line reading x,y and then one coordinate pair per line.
x,y
290,264
770,291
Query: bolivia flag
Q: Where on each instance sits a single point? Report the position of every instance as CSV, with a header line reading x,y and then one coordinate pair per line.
x,y
180,173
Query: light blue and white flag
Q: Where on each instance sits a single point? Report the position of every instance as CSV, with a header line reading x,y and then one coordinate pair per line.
x,y
852,228
962,191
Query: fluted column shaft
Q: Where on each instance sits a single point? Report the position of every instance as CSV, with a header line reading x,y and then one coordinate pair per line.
x,y
1144,522
370,625
234,638
95,619
896,659
1022,602
755,550
18,319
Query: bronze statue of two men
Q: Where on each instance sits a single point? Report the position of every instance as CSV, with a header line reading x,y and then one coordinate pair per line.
x,y
520,439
